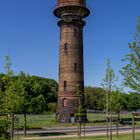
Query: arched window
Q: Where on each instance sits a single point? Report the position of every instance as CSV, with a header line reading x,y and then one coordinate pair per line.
x,y
64,102
75,32
75,66
57,116
65,85
65,48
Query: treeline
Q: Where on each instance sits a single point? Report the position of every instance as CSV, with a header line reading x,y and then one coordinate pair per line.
x,y
23,93
96,99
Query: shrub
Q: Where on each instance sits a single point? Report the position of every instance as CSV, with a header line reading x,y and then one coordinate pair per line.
x,y
4,135
52,107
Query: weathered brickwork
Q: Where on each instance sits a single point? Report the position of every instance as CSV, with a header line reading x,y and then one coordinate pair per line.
x,y
71,73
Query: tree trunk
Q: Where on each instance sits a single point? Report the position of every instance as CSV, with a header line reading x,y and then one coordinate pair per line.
x,y
107,128
133,126
107,115
79,130
118,124
25,122
12,126
110,126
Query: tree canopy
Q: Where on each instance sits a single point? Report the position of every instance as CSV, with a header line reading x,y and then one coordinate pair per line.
x,y
131,71
27,93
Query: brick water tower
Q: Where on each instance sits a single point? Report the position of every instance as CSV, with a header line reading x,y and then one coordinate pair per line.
x,y
70,14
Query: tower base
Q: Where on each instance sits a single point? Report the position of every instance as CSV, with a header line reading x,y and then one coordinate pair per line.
x,y
68,110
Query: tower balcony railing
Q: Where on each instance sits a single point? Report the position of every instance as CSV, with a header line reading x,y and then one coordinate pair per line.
x,y
79,7
69,20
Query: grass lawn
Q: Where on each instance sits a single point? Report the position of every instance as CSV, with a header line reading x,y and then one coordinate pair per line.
x,y
39,121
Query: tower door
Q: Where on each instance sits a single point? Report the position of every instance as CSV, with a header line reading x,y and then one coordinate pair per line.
x,y
72,119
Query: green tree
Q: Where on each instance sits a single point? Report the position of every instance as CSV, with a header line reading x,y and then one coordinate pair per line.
x,y
117,101
8,65
1,97
95,98
12,98
4,135
133,101
109,84
116,106
131,71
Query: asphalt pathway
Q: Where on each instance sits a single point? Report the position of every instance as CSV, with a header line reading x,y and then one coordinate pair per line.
x,y
88,133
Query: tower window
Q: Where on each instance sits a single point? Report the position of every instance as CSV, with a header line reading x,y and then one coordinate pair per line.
x,y
82,2
64,102
65,85
65,47
59,69
75,32
75,66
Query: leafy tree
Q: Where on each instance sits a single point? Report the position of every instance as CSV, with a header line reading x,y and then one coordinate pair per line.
x,y
95,98
109,84
52,107
131,71
124,101
133,101
34,92
116,106
24,93
1,98
4,135
12,98
116,102
8,65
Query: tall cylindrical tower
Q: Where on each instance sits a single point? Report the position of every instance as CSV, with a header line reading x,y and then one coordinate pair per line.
x,y
70,15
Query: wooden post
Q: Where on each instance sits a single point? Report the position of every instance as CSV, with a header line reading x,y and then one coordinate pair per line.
x,y
118,125
133,126
25,121
107,135
110,126
12,126
84,126
80,129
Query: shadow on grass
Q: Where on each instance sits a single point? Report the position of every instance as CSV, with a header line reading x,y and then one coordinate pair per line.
x,y
51,134
43,133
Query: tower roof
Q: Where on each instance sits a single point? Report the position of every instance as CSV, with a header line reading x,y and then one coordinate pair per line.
x,y
71,2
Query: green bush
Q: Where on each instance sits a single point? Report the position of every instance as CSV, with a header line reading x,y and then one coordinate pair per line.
x,y
4,135
52,107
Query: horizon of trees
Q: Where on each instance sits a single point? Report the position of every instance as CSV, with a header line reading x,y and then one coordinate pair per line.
x,y
25,93
96,100
35,94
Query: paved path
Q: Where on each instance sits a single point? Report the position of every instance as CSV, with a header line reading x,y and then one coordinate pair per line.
x,y
71,130
72,136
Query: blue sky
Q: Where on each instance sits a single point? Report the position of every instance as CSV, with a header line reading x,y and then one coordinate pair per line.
x,y
29,29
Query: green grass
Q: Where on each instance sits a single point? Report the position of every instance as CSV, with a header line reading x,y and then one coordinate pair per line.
x,y
95,117
37,121
48,120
